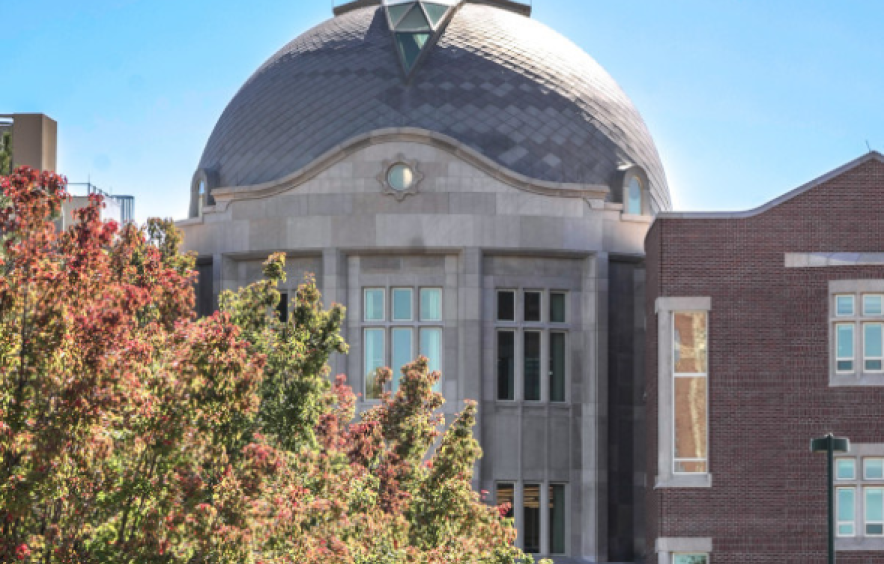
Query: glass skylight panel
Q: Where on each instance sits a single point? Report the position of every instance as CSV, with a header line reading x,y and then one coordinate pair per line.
x,y
413,21
410,45
435,12
396,12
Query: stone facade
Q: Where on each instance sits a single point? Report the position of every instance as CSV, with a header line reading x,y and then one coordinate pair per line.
x,y
768,277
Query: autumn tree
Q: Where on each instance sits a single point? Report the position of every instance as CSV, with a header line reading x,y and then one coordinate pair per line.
x,y
130,431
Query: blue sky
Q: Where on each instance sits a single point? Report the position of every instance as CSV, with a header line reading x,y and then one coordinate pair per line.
x,y
746,99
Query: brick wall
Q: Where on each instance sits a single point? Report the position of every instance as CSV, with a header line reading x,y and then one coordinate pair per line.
x,y
768,371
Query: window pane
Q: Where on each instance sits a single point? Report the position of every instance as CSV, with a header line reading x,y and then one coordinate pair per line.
x,y
874,511
431,304
874,468
691,559
506,306
690,343
431,347
531,518
506,493
374,359
845,469
532,365
872,346
844,336
283,307
690,424
846,504
374,304
401,353
402,300
435,11
872,305
506,365
532,306
557,519
413,21
396,12
557,367
410,45
634,197
557,307
843,305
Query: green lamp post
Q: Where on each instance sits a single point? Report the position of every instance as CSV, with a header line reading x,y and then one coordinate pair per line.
x,y
830,445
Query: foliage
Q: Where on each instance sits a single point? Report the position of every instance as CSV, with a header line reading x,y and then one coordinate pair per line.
x,y
132,432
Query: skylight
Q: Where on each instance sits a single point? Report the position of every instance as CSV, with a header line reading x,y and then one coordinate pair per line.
x,y
415,25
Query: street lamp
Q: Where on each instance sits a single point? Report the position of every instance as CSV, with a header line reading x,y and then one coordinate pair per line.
x,y
830,445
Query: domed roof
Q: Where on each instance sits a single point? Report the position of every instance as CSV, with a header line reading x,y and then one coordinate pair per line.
x,y
503,84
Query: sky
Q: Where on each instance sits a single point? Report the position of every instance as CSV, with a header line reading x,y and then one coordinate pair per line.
x,y
746,99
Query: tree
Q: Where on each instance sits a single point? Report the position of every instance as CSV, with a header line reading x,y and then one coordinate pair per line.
x,y
132,432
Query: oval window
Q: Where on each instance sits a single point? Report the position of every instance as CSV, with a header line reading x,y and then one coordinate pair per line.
x,y
633,203
400,177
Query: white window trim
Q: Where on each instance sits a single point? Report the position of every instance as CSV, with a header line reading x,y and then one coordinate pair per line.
x,y
666,477
859,452
858,290
667,547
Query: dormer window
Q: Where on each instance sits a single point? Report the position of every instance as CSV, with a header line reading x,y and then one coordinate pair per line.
x,y
632,199
201,197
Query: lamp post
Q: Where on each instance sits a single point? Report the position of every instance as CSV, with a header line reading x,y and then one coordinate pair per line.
x,y
830,445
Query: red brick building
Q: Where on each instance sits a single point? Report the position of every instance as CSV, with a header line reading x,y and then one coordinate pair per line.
x,y
764,331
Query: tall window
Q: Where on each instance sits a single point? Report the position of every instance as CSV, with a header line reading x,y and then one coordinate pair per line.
x,y
532,345
633,199
542,505
689,392
411,324
859,493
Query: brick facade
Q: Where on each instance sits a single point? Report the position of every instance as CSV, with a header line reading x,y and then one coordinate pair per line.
x,y
769,390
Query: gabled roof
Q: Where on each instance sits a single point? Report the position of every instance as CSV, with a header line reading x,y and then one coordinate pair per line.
x,y
870,156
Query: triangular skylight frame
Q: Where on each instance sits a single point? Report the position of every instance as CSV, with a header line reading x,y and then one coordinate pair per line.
x,y
415,31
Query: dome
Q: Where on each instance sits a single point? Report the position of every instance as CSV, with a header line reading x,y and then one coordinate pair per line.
x,y
497,81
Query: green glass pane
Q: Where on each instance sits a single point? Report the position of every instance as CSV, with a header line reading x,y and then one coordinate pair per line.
x,y
557,519
374,359
396,12
431,347
846,504
844,305
557,367
873,340
557,308
435,12
872,305
431,304
846,469
845,341
531,371
402,300
374,305
690,559
874,469
506,365
413,21
410,45
401,354
875,505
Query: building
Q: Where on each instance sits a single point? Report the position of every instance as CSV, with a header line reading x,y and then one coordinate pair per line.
x,y
34,140
476,188
765,330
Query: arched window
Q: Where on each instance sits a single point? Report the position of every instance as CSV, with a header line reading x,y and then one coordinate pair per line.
x,y
632,201
201,198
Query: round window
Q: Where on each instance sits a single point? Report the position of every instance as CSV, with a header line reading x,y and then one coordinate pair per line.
x,y
400,177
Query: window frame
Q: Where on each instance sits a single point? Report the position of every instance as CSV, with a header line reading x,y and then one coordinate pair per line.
x,y
520,328
838,522
865,356
545,520
393,291
866,520
857,293
383,308
860,483
676,376
665,308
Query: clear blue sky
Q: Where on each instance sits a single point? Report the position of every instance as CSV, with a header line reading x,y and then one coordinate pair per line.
x,y
746,99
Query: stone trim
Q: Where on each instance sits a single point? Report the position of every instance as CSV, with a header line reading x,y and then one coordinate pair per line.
x,y
665,546
816,260
223,196
666,478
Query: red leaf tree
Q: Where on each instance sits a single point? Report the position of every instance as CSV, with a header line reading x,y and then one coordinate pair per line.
x,y
132,432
